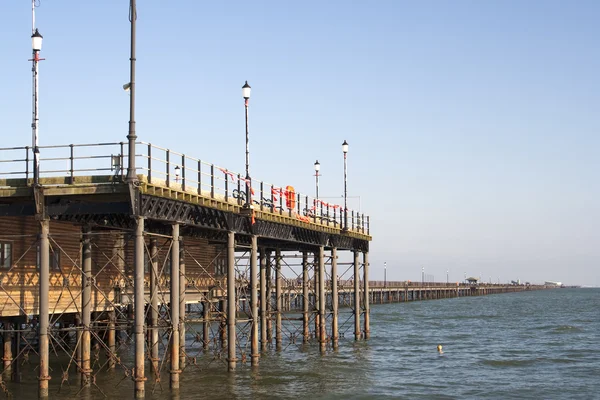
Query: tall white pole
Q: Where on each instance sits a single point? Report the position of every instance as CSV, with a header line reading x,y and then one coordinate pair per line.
x,y
36,44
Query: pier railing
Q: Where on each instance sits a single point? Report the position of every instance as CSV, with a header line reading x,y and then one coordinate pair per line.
x,y
177,171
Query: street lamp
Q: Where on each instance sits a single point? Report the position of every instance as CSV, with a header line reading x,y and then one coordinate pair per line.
x,y
422,275
385,274
246,95
447,280
317,169
345,150
131,136
36,45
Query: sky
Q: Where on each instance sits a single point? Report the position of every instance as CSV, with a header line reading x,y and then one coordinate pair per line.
x,y
472,125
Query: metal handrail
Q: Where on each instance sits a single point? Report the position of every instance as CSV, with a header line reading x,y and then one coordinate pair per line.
x,y
160,164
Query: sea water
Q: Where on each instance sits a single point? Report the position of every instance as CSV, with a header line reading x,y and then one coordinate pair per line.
x,y
528,345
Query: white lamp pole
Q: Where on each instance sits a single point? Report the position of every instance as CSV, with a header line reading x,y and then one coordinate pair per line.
x,y
36,44
385,274
246,95
345,150
131,136
317,169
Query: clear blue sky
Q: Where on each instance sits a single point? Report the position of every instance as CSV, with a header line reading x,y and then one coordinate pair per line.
x,y
473,125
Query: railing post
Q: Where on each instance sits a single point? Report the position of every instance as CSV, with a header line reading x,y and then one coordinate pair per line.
x,y
334,217
168,166
199,177
320,209
352,219
272,200
227,188
183,172
368,225
314,209
212,181
26,163
299,200
121,159
149,163
280,201
261,195
239,189
71,160
327,214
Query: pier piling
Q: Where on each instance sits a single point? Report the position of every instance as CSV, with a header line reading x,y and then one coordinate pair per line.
x,y
139,308
254,350
44,322
86,307
231,301
356,278
334,299
174,301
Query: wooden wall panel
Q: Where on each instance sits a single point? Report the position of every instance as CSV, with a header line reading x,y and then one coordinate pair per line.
x,y
112,265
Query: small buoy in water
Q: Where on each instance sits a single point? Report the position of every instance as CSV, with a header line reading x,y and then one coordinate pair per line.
x,y
439,347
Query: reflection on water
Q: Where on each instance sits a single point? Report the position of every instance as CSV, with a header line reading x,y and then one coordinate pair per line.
x,y
539,345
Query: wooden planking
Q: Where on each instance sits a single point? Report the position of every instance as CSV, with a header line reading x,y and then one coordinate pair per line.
x,y
112,265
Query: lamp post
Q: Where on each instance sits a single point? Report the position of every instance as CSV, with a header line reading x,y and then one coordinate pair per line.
x,y
447,280
131,136
422,275
317,169
345,150
385,274
246,94
36,44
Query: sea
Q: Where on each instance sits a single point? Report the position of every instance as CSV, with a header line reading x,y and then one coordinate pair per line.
x,y
541,344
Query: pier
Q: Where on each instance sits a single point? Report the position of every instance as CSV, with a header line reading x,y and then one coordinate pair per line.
x,y
92,263
91,260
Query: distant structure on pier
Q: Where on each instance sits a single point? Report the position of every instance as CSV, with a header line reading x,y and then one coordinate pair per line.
x,y
551,283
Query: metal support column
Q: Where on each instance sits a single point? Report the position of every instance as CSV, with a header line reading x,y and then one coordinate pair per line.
x,y
263,301
223,323
78,336
356,297
334,299
305,300
366,293
278,299
139,308
16,370
254,351
154,358
231,301
317,293
181,305
112,348
7,336
86,307
322,302
205,324
44,342
174,300
269,303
